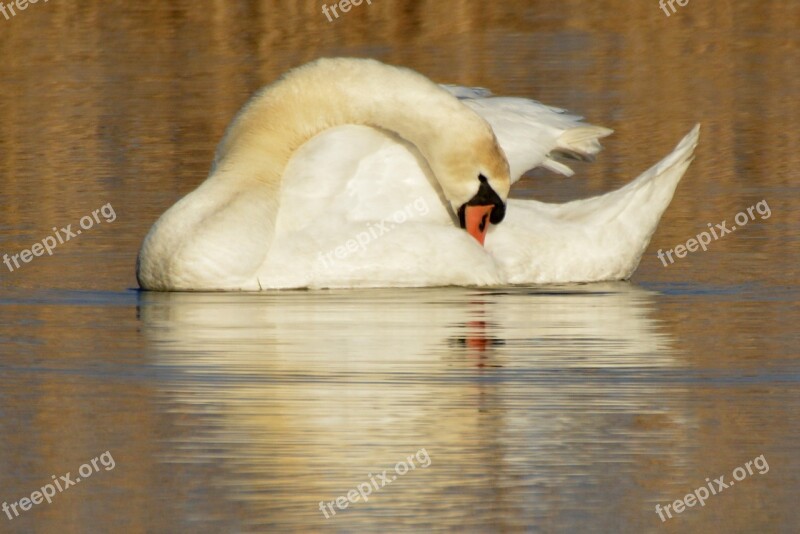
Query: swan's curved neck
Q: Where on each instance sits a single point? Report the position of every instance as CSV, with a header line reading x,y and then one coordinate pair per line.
x,y
333,92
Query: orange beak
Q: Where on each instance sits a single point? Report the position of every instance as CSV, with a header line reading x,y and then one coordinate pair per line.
x,y
477,221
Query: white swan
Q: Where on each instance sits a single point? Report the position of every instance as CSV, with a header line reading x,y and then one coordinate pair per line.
x,y
352,173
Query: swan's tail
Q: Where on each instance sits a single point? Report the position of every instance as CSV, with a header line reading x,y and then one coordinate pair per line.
x,y
651,192
533,134
631,214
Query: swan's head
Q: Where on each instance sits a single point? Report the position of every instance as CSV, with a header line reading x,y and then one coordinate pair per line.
x,y
474,177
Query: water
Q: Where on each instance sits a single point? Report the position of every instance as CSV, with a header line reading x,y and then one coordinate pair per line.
x,y
547,409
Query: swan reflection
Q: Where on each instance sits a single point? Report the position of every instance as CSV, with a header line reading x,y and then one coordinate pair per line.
x,y
513,392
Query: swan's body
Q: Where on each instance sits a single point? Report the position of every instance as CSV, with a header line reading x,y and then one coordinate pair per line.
x,y
356,190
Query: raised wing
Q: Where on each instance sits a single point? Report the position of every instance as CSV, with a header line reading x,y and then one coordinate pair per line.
x,y
531,133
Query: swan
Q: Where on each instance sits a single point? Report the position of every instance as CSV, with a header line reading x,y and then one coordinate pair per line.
x,y
353,173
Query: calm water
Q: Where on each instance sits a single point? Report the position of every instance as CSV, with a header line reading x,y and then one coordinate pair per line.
x,y
547,409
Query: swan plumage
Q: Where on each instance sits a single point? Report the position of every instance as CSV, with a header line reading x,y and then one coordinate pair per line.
x,y
342,197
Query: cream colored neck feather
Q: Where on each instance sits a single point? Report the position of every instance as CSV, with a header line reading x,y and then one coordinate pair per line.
x,y
333,92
